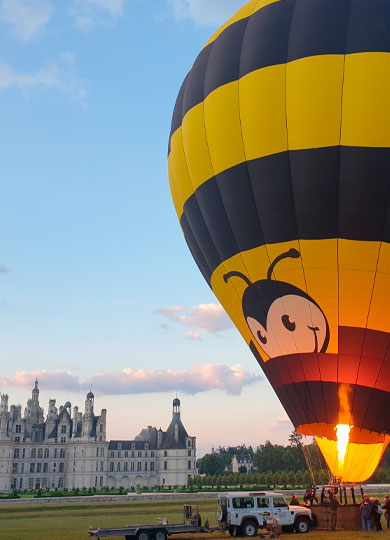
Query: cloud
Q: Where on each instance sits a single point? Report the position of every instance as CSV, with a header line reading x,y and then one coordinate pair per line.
x,y
3,269
130,381
27,17
205,12
89,13
194,336
50,76
209,317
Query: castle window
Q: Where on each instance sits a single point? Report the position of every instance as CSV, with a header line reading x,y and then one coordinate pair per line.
x,y
40,453
146,465
132,454
22,468
45,467
102,452
119,446
39,467
18,428
111,466
23,452
97,466
146,446
30,483
17,438
126,454
188,443
139,454
63,439
62,467
101,481
33,453
63,428
165,453
189,453
152,453
119,454
101,466
16,453
125,465
132,445
112,453
44,482
54,467
139,466
165,465
152,466
32,467
97,452
132,466
101,428
189,465
55,452
62,453
118,466
21,483
46,455
14,467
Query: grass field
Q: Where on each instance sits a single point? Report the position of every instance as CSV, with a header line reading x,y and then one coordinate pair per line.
x,y
71,522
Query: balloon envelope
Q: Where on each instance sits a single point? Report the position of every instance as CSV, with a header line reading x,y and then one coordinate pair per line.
x,y
279,160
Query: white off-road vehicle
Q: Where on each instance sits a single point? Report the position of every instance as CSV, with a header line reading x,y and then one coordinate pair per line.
x,y
243,513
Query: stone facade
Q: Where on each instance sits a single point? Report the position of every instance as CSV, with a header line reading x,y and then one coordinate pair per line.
x,y
68,450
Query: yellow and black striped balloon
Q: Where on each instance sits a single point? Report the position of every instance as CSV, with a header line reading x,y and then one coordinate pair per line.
x,y
279,167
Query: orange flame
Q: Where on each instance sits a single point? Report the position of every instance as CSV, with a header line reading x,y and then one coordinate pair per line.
x,y
342,433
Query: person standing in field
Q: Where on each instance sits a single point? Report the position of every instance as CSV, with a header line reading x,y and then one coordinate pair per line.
x,y
366,514
334,503
386,508
377,512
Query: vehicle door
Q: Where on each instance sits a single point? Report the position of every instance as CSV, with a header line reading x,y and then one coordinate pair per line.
x,y
242,507
280,510
264,509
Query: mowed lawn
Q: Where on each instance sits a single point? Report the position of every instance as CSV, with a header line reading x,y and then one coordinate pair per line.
x,y
71,522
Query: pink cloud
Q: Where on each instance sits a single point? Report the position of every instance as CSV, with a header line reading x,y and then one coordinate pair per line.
x,y
209,317
194,336
230,379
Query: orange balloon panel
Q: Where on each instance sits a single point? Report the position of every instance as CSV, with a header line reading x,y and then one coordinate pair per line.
x,y
360,460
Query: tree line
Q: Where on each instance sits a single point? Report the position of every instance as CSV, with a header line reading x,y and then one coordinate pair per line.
x,y
275,465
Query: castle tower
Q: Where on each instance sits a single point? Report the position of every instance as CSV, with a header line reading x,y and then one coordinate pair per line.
x,y
88,416
4,416
35,393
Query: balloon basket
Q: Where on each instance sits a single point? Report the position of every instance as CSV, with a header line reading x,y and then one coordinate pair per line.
x,y
348,517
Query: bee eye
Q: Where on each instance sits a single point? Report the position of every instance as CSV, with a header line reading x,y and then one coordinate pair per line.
x,y
287,323
261,338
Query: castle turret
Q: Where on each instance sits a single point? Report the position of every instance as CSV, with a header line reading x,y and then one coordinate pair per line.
x,y
4,416
88,416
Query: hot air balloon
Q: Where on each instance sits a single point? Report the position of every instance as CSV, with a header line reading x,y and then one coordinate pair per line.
x,y
279,167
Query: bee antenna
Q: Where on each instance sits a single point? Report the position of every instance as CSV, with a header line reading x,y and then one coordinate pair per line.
x,y
236,274
292,253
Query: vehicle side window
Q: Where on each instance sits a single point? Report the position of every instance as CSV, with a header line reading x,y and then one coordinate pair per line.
x,y
279,502
263,502
243,502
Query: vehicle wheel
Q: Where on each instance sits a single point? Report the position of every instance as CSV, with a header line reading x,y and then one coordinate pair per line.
x,y
221,513
143,535
302,525
250,528
160,535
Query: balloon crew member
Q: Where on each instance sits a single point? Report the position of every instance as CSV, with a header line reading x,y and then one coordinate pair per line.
x,y
377,512
386,508
334,503
366,514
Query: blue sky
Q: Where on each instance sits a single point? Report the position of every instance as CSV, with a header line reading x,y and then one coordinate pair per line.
x,y
97,286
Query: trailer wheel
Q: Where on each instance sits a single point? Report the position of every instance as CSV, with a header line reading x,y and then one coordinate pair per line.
x,y
143,535
160,535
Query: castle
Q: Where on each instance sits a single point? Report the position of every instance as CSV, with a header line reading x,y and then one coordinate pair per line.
x,y
69,449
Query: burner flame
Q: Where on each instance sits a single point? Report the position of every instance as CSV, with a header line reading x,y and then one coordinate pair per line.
x,y
342,433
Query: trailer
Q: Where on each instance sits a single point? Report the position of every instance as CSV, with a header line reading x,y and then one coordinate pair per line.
x,y
161,531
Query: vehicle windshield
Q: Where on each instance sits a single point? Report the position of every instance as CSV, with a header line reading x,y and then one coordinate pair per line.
x,y
279,502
